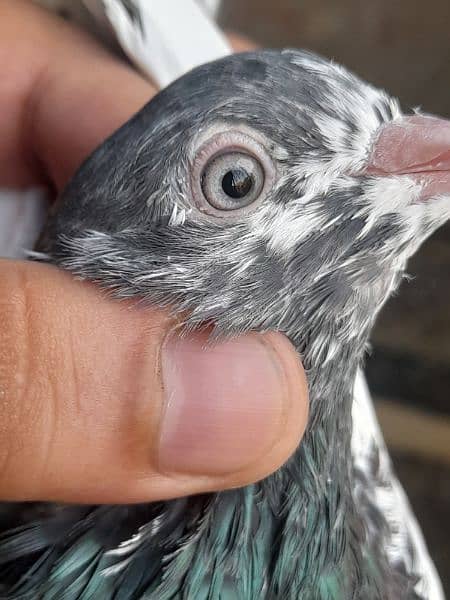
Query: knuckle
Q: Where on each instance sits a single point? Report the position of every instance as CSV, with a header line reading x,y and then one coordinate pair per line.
x,y
22,386
14,332
16,343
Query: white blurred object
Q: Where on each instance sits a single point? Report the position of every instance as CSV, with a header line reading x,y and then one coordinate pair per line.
x,y
152,38
22,217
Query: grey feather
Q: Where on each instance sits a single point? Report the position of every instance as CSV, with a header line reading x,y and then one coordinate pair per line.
x,y
316,259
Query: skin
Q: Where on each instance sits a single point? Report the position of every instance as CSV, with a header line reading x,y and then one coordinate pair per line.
x,y
82,414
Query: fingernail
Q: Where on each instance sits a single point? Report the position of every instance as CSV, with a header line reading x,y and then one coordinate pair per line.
x,y
225,403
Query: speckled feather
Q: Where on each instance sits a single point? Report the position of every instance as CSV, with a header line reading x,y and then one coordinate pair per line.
x,y
316,259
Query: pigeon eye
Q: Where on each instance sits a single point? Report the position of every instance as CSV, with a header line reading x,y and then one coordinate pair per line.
x,y
231,173
233,180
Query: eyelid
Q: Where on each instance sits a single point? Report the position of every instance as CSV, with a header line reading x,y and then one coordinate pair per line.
x,y
223,142
238,142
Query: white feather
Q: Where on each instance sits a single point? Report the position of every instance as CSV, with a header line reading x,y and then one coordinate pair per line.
x,y
211,7
391,498
159,44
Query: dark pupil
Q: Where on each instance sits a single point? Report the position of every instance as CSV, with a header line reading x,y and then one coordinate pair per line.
x,y
237,183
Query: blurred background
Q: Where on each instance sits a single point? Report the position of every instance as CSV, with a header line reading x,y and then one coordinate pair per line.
x,y
403,46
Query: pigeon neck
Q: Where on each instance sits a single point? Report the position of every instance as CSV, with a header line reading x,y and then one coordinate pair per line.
x,y
324,455
317,481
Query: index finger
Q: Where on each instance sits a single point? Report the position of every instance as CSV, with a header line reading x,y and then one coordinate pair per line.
x,y
61,94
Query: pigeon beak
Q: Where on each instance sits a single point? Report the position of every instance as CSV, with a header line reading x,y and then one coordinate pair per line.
x,y
418,146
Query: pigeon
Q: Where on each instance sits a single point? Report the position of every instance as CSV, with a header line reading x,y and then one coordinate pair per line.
x,y
287,195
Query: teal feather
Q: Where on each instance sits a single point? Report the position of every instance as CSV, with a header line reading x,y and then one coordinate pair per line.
x,y
72,572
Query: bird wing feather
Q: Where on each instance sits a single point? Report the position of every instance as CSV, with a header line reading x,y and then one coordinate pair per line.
x,y
406,542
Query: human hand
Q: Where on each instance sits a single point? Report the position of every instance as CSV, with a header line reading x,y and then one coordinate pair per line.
x,y
99,404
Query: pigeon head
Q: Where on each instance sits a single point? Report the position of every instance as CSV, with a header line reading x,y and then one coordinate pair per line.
x,y
268,190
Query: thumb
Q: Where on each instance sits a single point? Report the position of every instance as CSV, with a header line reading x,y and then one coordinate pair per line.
x,y
102,401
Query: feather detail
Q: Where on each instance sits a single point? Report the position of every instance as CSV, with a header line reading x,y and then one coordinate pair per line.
x,y
389,496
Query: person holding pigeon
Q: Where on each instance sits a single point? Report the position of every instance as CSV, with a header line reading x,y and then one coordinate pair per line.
x,y
83,396
267,191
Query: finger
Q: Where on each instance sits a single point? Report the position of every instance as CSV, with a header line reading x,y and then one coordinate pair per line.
x,y
60,95
240,43
103,401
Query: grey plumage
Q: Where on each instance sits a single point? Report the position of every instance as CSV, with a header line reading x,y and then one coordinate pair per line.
x,y
316,259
